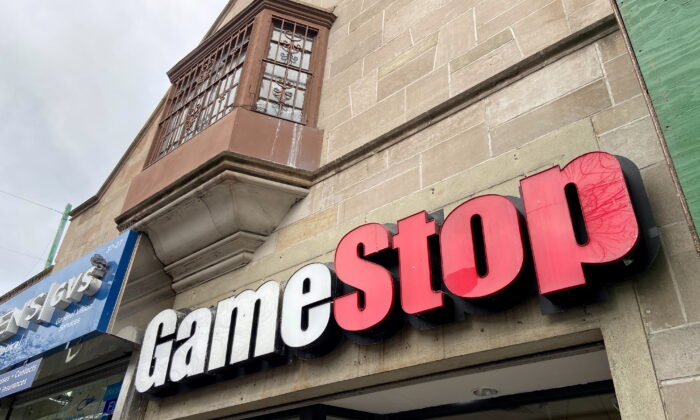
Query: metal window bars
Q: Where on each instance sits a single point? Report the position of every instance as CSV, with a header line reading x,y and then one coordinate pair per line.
x,y
286,70
204,94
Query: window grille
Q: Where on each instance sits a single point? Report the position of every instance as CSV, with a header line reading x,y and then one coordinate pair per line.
x,y
263,61
204,94
286,70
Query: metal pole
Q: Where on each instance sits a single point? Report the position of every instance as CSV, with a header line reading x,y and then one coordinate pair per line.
x,y
57,238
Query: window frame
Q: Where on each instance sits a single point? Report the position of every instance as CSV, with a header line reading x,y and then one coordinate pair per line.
x,y
194,86
315,71
260,14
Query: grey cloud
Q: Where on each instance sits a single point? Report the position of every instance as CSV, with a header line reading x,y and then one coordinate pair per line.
x,y
77,82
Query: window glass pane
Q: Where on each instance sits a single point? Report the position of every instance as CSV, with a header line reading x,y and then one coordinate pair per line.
x,y
199,95
231,97
292,76
282,91
84,401
237,75
296,115
274,51
276,30
309,40
306,61
283,85
299,99
597,407
265,89
284,112
301,82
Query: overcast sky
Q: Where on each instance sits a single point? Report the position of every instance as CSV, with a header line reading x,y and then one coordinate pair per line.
x,y
78,79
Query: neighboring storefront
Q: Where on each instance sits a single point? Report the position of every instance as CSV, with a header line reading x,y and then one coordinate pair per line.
x,y
400,209
56,358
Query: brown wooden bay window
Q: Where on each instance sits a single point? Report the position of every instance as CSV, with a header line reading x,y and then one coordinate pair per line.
x,y
287,70
237,133
269,59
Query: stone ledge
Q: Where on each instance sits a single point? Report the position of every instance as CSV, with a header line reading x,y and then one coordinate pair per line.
x,y
215,223
230,253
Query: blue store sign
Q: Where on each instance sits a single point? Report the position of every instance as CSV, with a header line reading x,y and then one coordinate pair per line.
x,y
75,302
18,379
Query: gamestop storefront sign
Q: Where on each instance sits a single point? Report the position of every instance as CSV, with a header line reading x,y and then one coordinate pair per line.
x,y
573,230
74,302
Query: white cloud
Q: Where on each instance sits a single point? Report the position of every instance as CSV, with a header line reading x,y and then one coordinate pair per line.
x,y
77,82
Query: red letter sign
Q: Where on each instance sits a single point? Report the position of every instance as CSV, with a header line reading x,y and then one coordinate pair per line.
x,y
372,279
480,262
609,223
417,294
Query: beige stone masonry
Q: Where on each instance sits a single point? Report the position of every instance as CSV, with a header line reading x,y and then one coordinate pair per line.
x,y
478,39
403,14
456,37
488,25
437,133
321,196
341,80
391,190
556,148
455,154
557,79
387,52
344,12
590,12
455,20
363,93
373,165
376,178
676,239
637,141
576,105
359,44
621,114
658,297
428,91
461,344
686,267
622,78
409,55
657,181
541,28
306,228
681,398
479,70
485,47
675,352
370,12
338,100
390,62
335,119
406,74
573,5
383,116
611,46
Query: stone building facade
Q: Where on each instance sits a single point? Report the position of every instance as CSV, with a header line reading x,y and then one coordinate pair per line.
x,y
424,104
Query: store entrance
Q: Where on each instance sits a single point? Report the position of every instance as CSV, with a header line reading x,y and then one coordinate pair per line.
x,y
574,384
92,400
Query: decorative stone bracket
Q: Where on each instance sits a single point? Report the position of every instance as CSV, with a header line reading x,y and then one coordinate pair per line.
x,y
209,204
217,226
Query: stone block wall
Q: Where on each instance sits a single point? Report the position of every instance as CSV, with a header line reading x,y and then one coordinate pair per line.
x,y
587,100
96,225
390,61
425,104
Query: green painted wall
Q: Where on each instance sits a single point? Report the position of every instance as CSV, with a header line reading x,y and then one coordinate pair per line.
x,y
665,36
